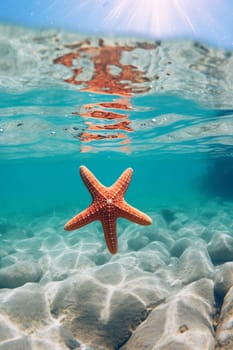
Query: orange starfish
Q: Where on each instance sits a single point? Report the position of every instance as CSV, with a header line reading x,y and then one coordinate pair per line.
x,y
108,204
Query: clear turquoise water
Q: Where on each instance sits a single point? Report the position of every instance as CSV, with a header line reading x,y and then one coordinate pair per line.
x,y
164,109
40,171
177,115
34,187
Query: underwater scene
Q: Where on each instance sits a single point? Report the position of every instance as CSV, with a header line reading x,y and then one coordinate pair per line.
x,y
146,264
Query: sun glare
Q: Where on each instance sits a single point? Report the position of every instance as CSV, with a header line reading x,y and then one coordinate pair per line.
x,y
166,18
156,17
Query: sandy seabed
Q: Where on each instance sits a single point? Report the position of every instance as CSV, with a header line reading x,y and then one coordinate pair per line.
x,y
169,287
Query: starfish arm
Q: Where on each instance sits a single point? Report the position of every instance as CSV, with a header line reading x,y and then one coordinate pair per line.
x,y
121,185
128,212
109,227
93,185
108,204
84,218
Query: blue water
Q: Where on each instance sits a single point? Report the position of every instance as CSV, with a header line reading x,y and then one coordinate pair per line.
x,y
164,109
54,185
40,163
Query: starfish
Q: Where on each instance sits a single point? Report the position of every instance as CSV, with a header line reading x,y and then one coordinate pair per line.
x,y
107,205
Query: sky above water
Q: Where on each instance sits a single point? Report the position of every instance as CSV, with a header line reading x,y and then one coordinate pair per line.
x,y
209,20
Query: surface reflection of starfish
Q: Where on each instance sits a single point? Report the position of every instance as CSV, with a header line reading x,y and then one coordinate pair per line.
x,y
108,204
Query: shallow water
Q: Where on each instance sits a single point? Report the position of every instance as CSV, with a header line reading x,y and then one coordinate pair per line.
x,y
164,109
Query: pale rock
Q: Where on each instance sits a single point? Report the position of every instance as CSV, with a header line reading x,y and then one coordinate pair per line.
x,y
137,243
28,255
168,275
22,343
223,279
153,256
132,238
53,241
217,225
29,244
26,306
150,289
46,344
207,235
158,222
53,336
180,245
214,228
220,247
183,322
19,273
157,247
193,265
161,235
95,313
224,332
69,260
128,261
68,339
110,274
150,260
101,258
93,347
191,230
6,331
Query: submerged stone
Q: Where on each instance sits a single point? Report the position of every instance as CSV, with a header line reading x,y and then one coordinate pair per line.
x,y
223,279
180,245
220,248
97,314
224,338
22,343
188,327
18,274
193,265
26,306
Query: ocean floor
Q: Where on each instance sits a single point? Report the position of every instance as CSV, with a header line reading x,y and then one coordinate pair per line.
x,y
169,287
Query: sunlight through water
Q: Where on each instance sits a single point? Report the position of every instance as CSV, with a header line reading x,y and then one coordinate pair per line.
x,y
103,85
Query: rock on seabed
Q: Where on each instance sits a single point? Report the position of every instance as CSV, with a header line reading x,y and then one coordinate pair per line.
x,y
19,273
182,322
72,294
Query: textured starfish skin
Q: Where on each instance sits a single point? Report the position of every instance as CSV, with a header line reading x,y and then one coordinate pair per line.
x,y
107,205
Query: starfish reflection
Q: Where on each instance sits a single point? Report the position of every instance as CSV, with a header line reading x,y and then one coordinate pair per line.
x,y
111,74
